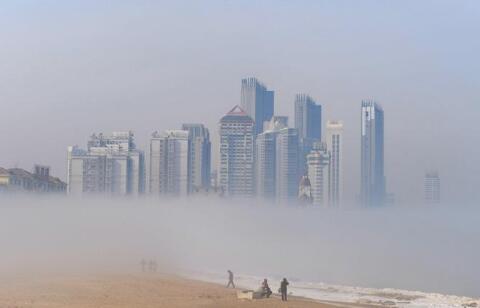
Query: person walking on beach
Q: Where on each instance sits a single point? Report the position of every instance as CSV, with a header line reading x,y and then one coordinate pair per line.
x,y
283,289
230,279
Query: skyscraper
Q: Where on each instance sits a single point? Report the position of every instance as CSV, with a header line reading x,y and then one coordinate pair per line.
x,y
257,102
200,156
287,177
308,122
236,165
334,140
277,161
265,165
308,117
372,156
318,169
169,162
432,187
111,165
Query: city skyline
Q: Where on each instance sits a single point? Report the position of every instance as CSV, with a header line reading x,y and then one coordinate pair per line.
x,y
271,165
90,83
277,159
224,153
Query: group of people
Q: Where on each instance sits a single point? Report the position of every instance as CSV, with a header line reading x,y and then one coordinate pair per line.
x,y
149,266
265,288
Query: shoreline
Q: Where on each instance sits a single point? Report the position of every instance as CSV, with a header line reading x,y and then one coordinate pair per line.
x,y
350,296
131,290
122,290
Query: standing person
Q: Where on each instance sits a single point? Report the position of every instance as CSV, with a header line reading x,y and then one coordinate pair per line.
x,y
144,265
283,289
230,279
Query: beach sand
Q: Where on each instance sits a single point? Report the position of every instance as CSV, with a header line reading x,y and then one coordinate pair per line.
x,y
129,291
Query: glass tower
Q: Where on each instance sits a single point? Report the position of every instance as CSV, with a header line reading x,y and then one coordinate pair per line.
x,y
372,183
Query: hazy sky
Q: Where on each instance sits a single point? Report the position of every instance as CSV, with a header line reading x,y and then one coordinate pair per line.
x,y
70,68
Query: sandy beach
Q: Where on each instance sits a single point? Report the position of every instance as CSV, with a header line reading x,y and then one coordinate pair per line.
x,y
128,291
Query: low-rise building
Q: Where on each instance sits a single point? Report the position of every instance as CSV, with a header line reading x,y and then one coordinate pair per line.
x,y
40,181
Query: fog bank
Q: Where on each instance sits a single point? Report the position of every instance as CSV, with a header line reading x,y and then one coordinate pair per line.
x,y
429,249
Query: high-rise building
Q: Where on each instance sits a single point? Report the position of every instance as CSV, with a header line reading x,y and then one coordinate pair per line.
x,y
236,161
200,156
372,156
287,177
334,141
257,102
265,165
432,187
169,163
277,161
308,122
308,117
318,169
111,165
265,157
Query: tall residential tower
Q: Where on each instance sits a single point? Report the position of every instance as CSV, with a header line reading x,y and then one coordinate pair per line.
x,y
318,169
308,117
257,102
277,162
169,154
334,140
200,156
308,122
236,165
372,183
111,165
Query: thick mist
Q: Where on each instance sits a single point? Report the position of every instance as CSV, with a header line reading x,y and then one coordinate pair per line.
x,y
429,249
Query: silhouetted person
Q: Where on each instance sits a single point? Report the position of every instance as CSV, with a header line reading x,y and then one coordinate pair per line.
x,y
152,266
230,279
283,289
144,265
266,288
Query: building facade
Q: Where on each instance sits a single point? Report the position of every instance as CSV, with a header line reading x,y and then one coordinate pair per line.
x,y
432,187
372,183
308,122
308,117
18,180
111,165
236,160
334,141
200,157
318,168
257,102
276,160
265,165
286,160
169,163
